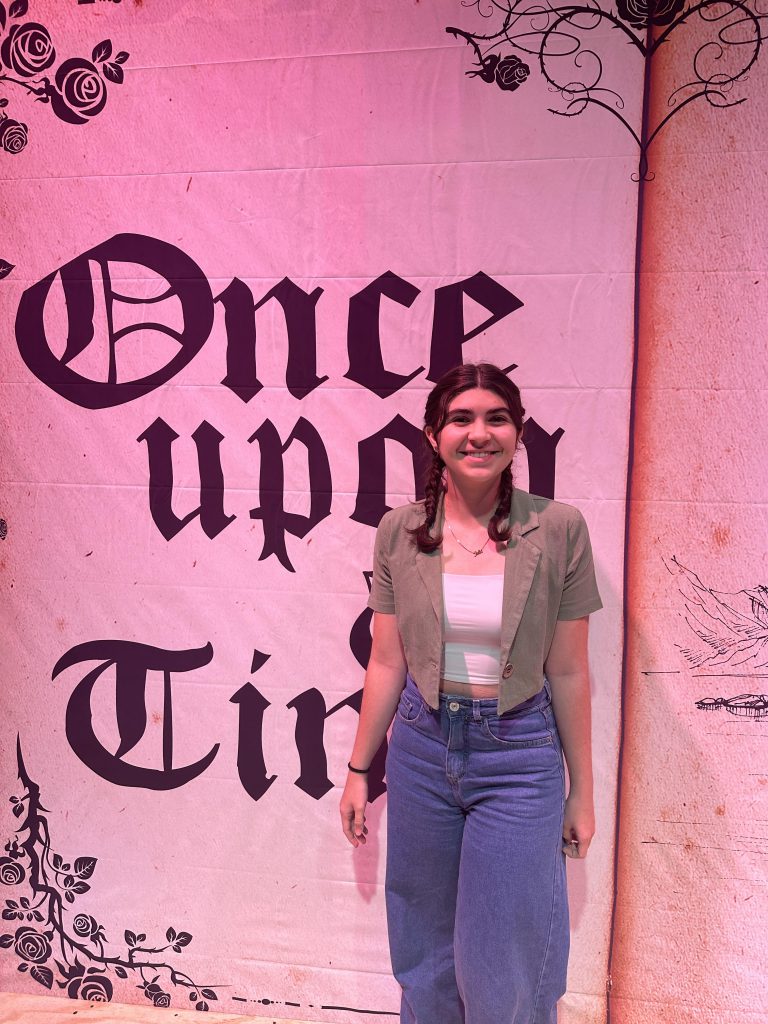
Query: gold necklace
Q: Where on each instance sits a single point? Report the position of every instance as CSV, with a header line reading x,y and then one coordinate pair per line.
x,y
477,552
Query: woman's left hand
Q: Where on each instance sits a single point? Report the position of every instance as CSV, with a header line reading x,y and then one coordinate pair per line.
x,y
578,825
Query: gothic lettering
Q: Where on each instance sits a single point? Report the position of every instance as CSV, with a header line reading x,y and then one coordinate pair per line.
x,y
131,661
160,437
186,282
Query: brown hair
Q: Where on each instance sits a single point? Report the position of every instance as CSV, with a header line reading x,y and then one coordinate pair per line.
x,y
463,378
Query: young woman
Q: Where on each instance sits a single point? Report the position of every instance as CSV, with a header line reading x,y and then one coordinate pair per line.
x,y
481,596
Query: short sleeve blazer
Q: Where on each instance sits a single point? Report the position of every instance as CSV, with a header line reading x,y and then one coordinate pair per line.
x,y
549,574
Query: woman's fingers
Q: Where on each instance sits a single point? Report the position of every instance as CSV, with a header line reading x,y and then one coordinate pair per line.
x,y
352,809
578,825
573,847
353,824
360,829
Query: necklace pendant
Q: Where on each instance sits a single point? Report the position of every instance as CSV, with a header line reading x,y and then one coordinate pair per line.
x,y
478,552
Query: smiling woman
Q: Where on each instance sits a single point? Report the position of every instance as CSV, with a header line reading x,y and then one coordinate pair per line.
x,y
478,431
479,656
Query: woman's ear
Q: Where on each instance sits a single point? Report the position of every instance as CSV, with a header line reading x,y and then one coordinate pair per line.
x,y
430,436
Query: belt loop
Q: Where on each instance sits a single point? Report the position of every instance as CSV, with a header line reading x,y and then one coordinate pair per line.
x,y
476,716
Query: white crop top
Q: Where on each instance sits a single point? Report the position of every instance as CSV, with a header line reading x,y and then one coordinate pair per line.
x,y
472,628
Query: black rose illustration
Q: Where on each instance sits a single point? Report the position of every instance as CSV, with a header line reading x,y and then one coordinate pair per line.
x,y
93,988
30,944
13,135
84,925
11,872
12,847
79,935
27,50
641,13
81,91
510,73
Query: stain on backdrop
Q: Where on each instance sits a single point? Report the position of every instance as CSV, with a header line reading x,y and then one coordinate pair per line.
x,y
237,268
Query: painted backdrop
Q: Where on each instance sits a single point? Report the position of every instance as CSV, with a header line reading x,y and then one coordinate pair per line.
x,y
241,242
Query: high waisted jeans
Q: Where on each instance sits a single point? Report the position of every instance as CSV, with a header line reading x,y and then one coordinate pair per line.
x,y
476,894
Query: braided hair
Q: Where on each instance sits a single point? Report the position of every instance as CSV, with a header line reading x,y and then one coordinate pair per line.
x,y
464,378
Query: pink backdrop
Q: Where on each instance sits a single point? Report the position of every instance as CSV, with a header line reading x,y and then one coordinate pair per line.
x,y
330,146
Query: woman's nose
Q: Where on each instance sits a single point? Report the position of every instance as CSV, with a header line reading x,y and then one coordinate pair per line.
x,y
478,430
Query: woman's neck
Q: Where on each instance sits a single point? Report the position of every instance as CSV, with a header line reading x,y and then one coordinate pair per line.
x,y
476,505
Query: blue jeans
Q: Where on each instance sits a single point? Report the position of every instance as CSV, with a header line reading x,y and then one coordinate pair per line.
x,y
477,907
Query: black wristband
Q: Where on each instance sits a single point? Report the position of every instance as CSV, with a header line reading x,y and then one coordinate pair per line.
x,y
357,771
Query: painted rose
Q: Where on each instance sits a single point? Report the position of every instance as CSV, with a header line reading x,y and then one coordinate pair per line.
x,y
11,872
27,50
161,999
510,73
639,13
13,135
92,988
84,925
32,945
80,91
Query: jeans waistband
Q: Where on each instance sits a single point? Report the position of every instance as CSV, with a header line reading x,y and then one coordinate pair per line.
x,y
486,705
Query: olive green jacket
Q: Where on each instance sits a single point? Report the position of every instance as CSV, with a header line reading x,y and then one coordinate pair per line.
x,y
549,575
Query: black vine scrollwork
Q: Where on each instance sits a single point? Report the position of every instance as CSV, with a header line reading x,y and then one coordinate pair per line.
x,y
78,91
555,34
81,964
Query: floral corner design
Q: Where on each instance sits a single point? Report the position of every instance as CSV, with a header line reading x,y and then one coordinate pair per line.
x,y
74,955
78,91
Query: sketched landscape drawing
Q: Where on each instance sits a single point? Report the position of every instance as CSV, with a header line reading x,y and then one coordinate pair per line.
x,y
731,630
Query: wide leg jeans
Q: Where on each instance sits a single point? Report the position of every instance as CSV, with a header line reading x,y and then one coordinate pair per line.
x,y
477,906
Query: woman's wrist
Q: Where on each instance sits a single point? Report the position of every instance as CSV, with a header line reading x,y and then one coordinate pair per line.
x,y
357,771
581,790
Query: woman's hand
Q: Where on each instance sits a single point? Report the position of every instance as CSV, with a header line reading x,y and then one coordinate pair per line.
x,y
578,825
352,808
384,680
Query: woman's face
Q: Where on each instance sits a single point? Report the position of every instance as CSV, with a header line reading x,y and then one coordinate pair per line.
x,y
479,438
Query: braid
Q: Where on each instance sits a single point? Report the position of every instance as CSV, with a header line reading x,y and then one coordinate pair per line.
x,y
503,508
432,490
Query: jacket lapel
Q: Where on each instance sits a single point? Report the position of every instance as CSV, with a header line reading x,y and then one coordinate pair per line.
x,y
430,570
522,558
430,567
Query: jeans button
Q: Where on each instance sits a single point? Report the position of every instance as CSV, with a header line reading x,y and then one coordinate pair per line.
x,y
453,705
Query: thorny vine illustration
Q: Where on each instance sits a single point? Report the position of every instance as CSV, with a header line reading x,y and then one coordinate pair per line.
x,y
557,36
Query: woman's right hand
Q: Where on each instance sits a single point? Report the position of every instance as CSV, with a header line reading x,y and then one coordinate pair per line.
x,y
352,808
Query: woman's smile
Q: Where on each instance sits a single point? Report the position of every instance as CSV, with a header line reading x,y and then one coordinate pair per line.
x,y
478,432
481,456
